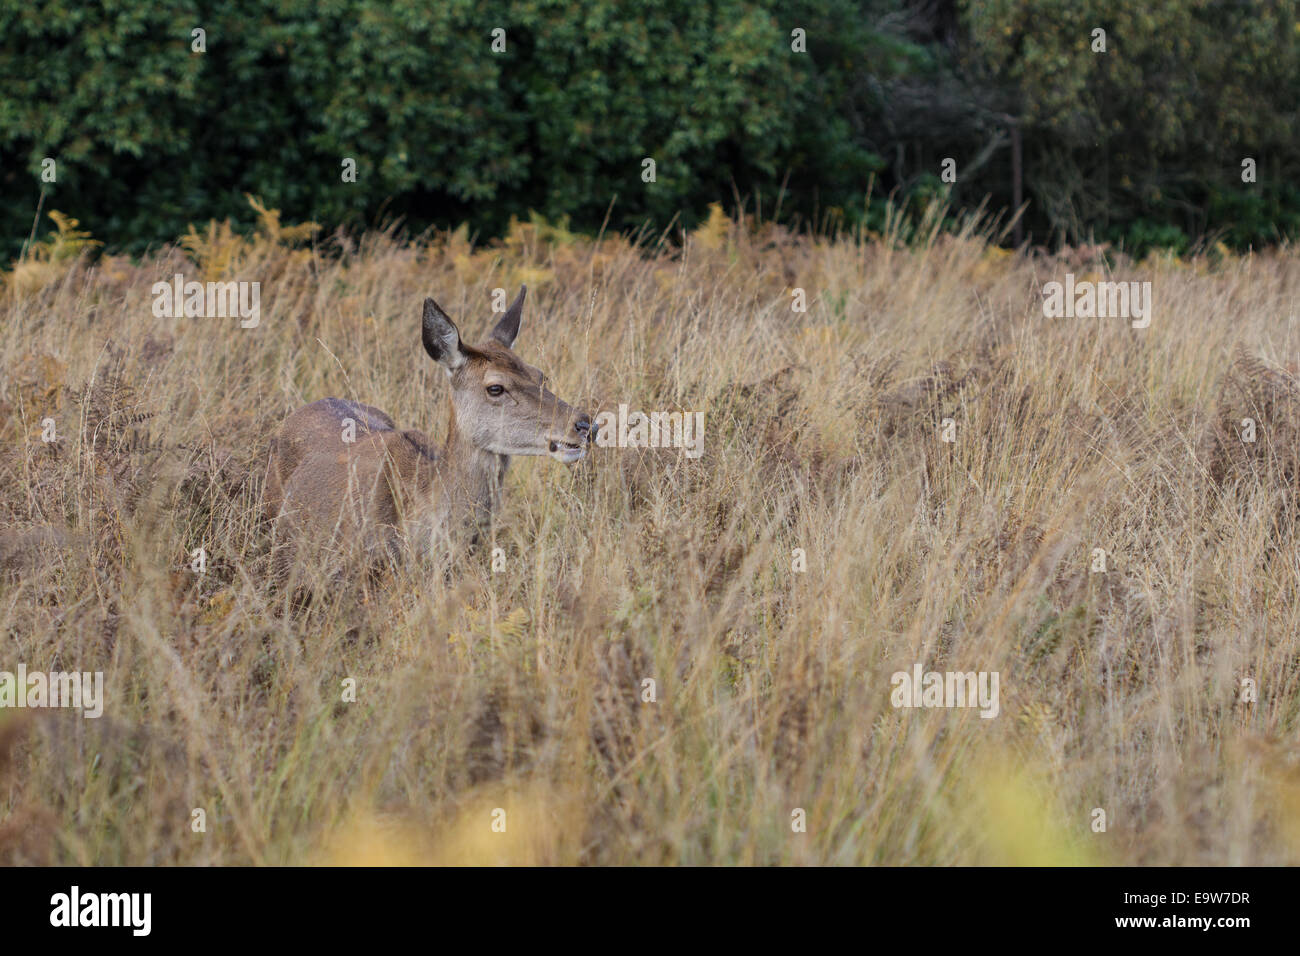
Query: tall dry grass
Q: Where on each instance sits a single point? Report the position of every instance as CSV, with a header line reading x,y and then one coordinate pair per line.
x,y
522,689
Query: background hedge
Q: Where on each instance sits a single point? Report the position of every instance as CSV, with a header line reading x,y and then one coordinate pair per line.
x,y
1141,145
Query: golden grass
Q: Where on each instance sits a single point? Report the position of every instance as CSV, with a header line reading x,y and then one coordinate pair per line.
x,y
521,690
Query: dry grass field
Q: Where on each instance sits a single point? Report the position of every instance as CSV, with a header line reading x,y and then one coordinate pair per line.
x,y
522,689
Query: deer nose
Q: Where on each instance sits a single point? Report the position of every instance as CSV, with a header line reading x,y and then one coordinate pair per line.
x,y
584,427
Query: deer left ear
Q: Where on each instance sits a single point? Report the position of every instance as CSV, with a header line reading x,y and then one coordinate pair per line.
x,y
507,329
441,339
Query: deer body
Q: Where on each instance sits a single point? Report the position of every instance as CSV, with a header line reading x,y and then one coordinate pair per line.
x,y
342,473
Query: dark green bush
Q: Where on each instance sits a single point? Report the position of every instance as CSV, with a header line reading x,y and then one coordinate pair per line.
x,y
149,136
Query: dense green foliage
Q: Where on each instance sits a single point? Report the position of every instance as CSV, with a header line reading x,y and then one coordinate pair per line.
x,y
1141,144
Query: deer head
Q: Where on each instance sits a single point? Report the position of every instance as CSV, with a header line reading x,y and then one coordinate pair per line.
x,y
499,403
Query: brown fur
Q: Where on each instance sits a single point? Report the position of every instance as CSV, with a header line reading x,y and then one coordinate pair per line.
x,y
390,488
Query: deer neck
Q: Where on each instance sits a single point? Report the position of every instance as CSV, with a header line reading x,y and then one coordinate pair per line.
x,y
472,477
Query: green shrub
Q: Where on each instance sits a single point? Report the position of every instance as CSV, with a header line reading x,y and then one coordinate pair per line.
x,y
149,136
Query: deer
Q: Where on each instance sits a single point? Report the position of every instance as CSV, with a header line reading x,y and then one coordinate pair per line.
x,y
342,472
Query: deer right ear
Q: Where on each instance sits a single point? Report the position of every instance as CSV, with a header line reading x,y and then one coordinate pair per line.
x,y
441,339
507,330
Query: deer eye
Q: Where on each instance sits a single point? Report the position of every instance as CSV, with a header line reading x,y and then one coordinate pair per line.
x,y
495,390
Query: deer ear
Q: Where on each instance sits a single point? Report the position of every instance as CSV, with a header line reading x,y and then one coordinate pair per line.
x,y
507,329
441,339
